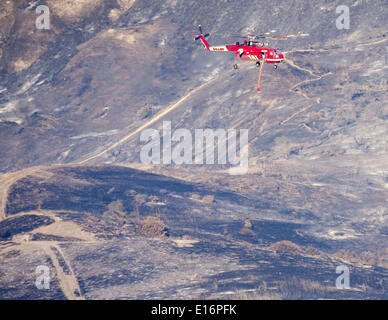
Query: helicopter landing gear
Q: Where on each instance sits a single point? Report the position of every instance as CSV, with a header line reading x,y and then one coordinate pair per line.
x,y
275,66
258,64
235,66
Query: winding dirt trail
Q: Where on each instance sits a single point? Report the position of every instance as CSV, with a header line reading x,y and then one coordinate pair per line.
x,y
65,274
154,119
6,182
67,281
367,44
292,64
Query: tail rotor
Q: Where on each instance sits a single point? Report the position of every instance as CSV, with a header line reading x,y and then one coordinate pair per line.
x,y
201,34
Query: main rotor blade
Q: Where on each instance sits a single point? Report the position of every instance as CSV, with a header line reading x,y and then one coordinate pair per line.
x,y
269,32
282,37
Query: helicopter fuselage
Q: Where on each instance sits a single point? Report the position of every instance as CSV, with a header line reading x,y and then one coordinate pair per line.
x,y
250,52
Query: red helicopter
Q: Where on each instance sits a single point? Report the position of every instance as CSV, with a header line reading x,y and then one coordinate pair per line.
x,y
252,49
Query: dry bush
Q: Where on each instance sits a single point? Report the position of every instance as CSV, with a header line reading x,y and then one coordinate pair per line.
x,y
152,226
346,255
298,288
303,288
144,112
369,257
195,196
208,199
261,293
116,213
243,295
248,224
314,287
312,251
153,198
140,198
377,258
138,201
130,192
247,231
292,288
117,207
286,246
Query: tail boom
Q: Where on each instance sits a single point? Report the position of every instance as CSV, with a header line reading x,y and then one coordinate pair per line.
x,y
204,42
202,38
